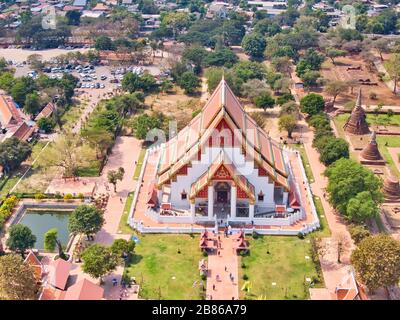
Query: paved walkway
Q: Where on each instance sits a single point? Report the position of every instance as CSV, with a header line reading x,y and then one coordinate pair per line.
x,y
225,289
332,270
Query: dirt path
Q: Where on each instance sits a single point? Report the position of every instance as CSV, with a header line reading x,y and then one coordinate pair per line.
x,y
20,55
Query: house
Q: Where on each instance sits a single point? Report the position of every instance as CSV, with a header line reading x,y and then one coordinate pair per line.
x,y
36,265
217,10
84,290
12,122
224,167
80,3
46,112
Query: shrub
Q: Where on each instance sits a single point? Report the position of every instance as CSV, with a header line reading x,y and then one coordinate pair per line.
x,y
245,277
373,95
68,197
255,235
358,232
300,235
81,196
205,254
39,196
243,265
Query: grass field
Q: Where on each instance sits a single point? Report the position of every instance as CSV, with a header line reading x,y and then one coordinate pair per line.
x,y
378,119
139,164
123,225
280,260
392,142
166,267
91,171
324,231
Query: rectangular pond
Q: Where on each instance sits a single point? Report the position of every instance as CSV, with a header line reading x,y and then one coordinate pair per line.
x,y
40,221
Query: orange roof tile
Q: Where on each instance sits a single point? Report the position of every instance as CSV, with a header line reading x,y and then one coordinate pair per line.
x,y
222,105
59,273
8,111
46,111
84,290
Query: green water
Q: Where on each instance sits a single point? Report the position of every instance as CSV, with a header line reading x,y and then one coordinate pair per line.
x,y
40,221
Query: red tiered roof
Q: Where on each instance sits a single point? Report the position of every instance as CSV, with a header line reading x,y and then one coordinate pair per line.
x,y
222,106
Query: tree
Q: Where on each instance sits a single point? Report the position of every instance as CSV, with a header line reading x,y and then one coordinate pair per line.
x,y
133,82
100,139
46,124
312,104
104,43
189,82
334,149
74,17
51,241
333,53
287,122
310,78
377,261
144,123
86,219
362,207
253,88
358,233
20,238
246,70
264,101
68,153
334,88
17,279
114,175
13,152
347,178
123,248
393,69
254,45
98,261
381,45
32,103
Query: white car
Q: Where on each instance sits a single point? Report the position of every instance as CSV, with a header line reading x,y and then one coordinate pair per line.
x,y
102,86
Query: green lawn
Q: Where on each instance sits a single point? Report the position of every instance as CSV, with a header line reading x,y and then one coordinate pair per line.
x,y
392,142
324,231
161,271
93,170
123,225
304,158
139,164
281,260
380,119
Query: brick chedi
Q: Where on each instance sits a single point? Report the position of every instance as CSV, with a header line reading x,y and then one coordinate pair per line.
x,y
357,123
391,189
370,154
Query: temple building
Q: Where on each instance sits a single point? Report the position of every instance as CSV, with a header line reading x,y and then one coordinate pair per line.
x,y
357,123
370,155
222,167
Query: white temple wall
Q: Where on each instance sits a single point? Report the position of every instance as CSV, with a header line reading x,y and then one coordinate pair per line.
x,y
246,168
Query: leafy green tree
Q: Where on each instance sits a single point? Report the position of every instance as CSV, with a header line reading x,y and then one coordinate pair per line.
x,y
195,55
346,179
358,233
6,81
393,69
246,70
333,53
123,248
98,261
310,78
20,238
51,241
86,219
13,152
189,82
287,122
312,104
46,124
220,57
377,261
334,149
264,101
32,103
114,175
133,82
362,207
104,43
21,88
100,139
335,87
17,279
74,17
254,45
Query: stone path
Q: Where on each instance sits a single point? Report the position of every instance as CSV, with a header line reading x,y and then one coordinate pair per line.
x,y
225,289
